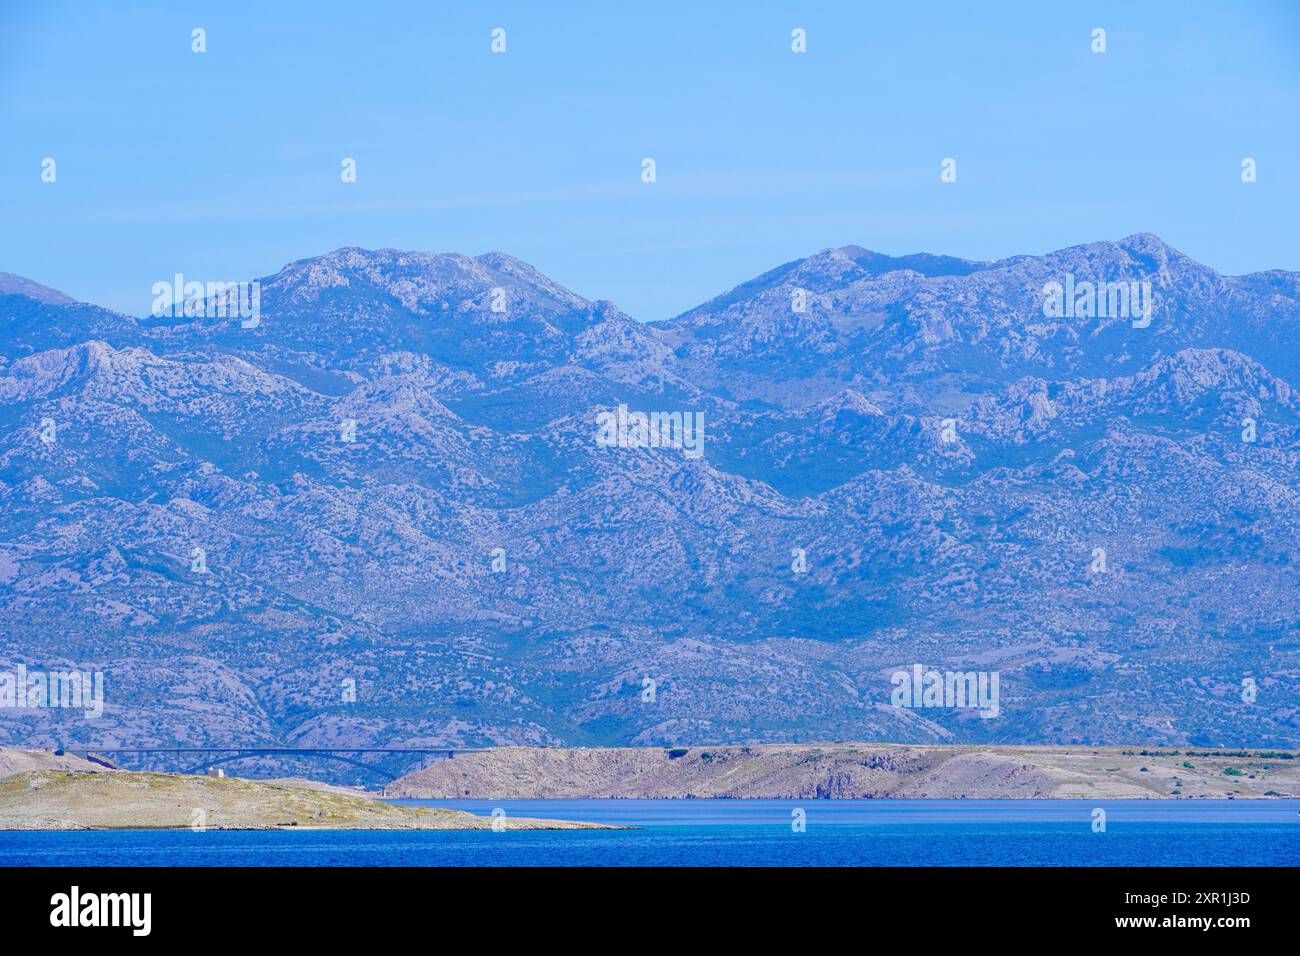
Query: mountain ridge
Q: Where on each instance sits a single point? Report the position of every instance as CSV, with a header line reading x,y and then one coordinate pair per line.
x,y
944,458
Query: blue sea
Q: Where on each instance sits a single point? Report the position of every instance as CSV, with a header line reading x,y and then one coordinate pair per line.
x,y
738,833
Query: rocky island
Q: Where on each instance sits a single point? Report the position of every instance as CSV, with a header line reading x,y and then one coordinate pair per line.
x,y
67,793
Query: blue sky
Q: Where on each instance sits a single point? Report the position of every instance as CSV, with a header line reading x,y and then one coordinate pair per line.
x,y
225,165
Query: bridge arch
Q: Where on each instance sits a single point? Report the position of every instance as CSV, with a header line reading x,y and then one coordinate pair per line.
x,y
373,771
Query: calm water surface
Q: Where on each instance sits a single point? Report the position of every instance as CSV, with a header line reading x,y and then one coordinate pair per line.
x,y
738,833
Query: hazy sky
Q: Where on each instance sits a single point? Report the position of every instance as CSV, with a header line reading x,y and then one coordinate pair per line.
x,y
226,165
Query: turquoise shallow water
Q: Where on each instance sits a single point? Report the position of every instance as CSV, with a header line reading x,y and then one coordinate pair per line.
x,y
738,833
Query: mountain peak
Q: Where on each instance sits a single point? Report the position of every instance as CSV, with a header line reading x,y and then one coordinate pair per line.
x,y
1143,250
837,267
927,264
418,279
1145,242
18,285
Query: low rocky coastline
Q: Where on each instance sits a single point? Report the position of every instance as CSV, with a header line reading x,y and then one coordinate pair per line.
x,y
858,771
49,792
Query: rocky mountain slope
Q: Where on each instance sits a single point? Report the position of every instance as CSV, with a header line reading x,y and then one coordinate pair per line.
x,y
14,760
288,532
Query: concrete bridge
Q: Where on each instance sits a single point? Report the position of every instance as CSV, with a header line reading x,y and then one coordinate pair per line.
x,y
201,759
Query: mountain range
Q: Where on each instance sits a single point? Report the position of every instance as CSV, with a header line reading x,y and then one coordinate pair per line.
x,y
381,516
